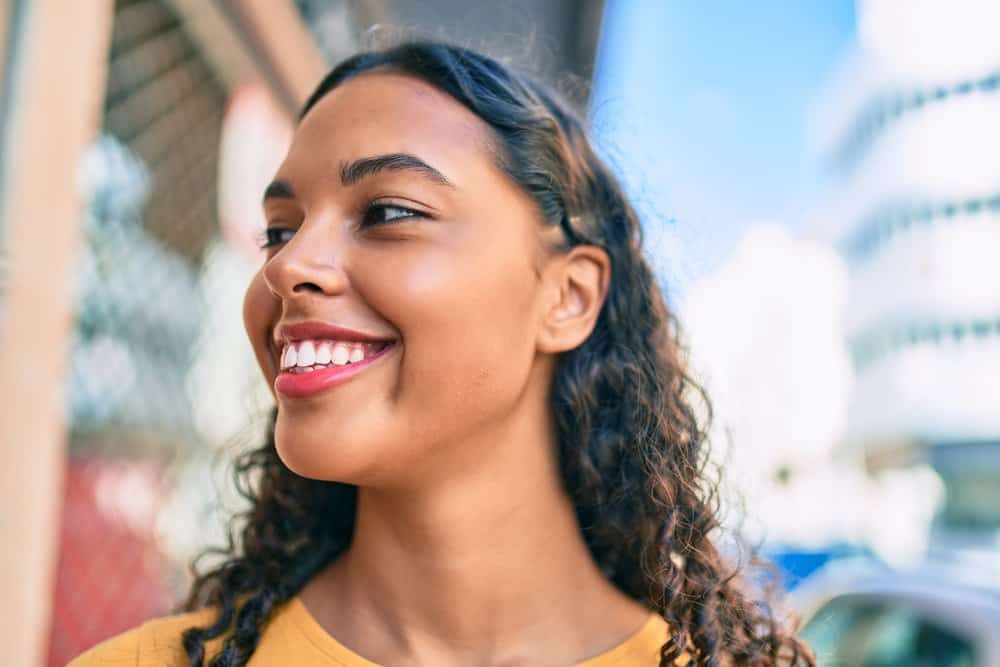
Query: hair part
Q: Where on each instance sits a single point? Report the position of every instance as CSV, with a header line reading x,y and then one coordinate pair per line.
x,y
632,447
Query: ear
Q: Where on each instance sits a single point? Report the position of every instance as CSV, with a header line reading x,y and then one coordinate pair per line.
x,y
576,284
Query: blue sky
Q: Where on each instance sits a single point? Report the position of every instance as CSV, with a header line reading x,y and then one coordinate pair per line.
x,y
705,107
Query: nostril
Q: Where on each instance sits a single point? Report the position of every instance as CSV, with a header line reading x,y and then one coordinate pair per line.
x,y
307,287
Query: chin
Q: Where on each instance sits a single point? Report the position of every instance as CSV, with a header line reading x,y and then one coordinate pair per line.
x,y
314,454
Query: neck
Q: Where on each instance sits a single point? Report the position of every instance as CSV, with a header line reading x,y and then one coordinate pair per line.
x,y
489,558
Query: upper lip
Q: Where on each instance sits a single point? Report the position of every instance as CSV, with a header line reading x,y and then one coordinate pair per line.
x,y
323,331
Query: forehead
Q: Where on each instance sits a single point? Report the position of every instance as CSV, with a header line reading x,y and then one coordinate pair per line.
x,y
384,112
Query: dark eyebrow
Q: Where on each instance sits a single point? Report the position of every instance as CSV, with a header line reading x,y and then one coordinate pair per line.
x,y
278,190
352,172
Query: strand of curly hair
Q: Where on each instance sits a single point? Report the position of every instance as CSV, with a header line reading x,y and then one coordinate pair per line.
x,y
631,446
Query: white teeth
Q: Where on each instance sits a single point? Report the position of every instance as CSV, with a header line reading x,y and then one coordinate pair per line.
x,y
341,353
323,352
307,353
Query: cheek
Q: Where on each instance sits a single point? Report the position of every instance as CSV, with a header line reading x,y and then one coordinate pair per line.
x,y
260,311
468,329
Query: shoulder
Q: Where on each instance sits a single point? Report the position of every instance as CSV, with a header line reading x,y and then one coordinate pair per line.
x,y
642,648
155,642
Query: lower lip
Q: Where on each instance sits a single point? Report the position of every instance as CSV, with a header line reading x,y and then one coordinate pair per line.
x,y
302,385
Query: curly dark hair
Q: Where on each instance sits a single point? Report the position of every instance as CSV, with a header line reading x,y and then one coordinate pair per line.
x,y
632,440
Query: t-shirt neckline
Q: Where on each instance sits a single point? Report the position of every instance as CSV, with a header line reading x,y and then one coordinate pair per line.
x,y
328,645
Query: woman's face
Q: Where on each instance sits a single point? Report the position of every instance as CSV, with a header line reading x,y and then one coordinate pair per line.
x,y
390,221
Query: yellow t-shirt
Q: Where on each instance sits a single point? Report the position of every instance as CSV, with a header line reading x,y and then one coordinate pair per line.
x,y
294,637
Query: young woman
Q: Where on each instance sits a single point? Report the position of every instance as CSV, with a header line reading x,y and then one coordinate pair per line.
x,y
483,450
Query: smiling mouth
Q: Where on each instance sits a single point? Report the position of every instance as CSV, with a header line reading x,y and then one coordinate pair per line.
x,y
312,375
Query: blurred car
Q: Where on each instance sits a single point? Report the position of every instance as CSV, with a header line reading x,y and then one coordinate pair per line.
x,y
868,615
796,564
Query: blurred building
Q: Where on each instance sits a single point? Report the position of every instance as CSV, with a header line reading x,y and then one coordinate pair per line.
x,y
909,128
555,40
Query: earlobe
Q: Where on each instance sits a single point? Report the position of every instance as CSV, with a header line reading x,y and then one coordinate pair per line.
x,y
579,282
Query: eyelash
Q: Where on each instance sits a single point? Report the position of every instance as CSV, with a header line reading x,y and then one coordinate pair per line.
x,y
410,213
269,237
272,235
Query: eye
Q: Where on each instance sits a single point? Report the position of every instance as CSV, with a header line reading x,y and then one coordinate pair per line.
x,y
380,214
274,236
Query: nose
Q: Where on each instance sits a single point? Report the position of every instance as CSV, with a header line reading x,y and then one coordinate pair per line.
x,y
304,266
